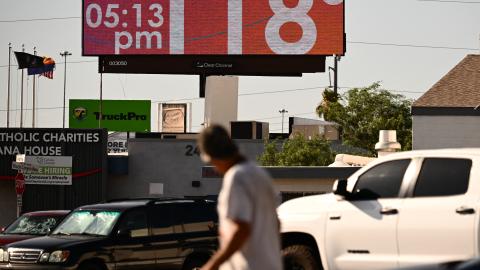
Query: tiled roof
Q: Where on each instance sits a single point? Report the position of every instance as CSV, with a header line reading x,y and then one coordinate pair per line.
x,y
459,88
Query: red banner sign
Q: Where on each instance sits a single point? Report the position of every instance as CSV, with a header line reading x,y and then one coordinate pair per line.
x,y
213,27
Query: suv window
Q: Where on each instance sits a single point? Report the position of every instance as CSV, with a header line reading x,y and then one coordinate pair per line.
x,y
196,217
443,177
135,221
162,219
383,180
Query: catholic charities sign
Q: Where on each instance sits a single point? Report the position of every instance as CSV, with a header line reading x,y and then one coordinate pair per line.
x,y
52,170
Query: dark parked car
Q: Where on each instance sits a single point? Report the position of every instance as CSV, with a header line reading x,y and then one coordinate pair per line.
x,y
129,234
30,225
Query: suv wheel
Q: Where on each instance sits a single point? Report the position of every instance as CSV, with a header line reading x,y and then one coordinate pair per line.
x,y
195,262
90,266
299,257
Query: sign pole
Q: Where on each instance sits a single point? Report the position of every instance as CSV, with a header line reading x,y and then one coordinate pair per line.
x,y
8,88
19,190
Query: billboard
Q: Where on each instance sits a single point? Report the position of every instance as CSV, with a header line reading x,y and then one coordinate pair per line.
x,y
117,115
213,27
174,118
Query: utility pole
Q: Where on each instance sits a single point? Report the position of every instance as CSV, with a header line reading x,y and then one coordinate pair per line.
x,y
21,94
335,74
283,112
8,88
33,106
64,54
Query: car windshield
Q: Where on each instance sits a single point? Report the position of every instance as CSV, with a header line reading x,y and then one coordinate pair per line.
x,y
88,222
33,225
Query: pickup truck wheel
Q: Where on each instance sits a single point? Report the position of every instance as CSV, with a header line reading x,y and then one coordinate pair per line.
x,y
299,257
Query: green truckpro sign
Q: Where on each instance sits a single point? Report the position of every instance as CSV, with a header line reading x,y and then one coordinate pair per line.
x,y
117,115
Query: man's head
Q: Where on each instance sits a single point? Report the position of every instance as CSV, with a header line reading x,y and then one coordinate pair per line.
x,y
217,147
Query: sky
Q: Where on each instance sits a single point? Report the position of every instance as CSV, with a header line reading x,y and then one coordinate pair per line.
x,y
407,45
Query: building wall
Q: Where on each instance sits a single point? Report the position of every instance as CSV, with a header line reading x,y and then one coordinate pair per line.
x,y
8,203
221,100
431,132
173,163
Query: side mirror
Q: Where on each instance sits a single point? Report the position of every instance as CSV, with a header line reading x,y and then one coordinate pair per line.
x,y
340,188
123,233
2,229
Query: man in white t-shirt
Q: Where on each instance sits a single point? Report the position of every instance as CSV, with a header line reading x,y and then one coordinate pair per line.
x,y
248,223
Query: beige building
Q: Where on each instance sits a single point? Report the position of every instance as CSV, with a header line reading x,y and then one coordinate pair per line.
x,y
313,127
448,115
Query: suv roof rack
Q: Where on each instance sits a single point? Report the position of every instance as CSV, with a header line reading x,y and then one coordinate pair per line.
x,y
153,200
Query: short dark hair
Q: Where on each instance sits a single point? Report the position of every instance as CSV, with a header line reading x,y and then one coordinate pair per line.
x,y
216,143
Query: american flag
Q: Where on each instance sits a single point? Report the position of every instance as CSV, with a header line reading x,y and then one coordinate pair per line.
x,y
48,74
46,70
49,66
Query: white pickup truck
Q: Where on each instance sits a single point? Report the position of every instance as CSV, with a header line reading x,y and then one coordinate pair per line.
x,y
404,209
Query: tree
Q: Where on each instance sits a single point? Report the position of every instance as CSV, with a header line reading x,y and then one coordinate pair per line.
x,y
363,112
297,151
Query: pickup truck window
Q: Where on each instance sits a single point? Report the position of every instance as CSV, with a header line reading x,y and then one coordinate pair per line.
x,y
443,177
383,180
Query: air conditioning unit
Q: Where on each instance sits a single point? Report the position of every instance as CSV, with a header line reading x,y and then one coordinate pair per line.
x,y
251,130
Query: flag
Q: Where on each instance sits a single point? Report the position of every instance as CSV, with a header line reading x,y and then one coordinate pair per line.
x,y
26,60
46,70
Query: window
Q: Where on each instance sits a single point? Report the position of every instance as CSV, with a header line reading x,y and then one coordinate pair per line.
x,y
198,217
33,225
94,222
382,181
135,222
162,219
443,177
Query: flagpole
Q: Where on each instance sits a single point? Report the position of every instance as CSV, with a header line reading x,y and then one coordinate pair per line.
x,y
8,88
33,106
65,54
21,98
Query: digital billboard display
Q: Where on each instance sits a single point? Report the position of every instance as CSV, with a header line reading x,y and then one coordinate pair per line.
x,y
213,27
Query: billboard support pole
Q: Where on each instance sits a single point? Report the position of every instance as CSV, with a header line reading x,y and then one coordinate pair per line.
x,y
100,103
21,95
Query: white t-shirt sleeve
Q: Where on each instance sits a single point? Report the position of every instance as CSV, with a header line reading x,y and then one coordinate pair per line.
x,y
239,202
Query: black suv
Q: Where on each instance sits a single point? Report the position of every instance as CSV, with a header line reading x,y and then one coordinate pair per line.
x,y
128,234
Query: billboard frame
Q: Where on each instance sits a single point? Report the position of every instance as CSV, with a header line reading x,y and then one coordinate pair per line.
x,y
251,59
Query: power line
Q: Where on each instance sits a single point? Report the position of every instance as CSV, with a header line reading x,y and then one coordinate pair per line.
x,y
61,63
450,1
39,19
412,45
247,94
